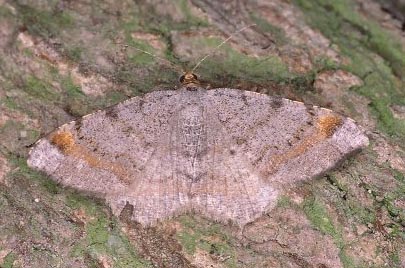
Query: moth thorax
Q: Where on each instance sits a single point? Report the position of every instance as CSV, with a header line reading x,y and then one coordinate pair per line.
x,y
188,79
193,134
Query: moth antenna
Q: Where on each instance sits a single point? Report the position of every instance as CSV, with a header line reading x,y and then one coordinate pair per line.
x,y
157,57
220,45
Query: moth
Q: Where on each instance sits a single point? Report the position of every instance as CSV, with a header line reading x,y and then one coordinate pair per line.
x,y
224,153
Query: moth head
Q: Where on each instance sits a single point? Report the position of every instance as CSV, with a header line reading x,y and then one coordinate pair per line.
x,y
189,78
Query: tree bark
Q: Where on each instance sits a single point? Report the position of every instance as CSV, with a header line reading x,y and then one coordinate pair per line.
x,y
60,60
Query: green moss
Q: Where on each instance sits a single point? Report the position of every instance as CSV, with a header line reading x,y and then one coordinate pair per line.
x,y
77,201
361,40
395,259
39,89
103,236
44,23
399,176
74,99
165,24
302,82
389,200
188,240
232,67
11,132
206,236
337,183
229,68
74,53
9,261
346,260
98,233
28,52
397,214
160,77
364,214
144,19
72,90
277,34
391,208
51,186
284,201
112,97
23,170
397,231
190,18
5,12
10,103
339,20
318,216
138,57
130,25
21,167
76,102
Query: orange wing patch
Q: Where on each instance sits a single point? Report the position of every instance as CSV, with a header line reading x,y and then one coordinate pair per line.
x,y
326,126
65,142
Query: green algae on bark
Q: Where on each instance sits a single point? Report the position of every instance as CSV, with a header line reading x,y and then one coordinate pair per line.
x,y
361,40
196,233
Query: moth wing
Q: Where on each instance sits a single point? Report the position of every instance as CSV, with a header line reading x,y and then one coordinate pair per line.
x,y
282,140
231,188
120,154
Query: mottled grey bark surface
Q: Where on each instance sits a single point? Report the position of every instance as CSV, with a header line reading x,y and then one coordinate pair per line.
x,y
60,60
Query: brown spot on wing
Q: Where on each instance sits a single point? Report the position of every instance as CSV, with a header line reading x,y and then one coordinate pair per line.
x,y
112,112
78,124
276,102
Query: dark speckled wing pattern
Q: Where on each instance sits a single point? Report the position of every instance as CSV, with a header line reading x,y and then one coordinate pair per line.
x,y
223,153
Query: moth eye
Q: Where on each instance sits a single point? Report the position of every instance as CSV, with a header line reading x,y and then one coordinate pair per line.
x,y
181,79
